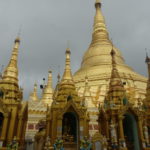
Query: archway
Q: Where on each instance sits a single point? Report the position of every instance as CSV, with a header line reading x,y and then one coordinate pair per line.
x,y
70,127
1,122
131,132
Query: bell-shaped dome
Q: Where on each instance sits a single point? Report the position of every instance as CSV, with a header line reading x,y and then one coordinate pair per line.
x,y
97,64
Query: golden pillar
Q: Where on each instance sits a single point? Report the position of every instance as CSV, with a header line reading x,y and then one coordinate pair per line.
x,y
24,126
12,124
59,127
4,130
121,132
19,127
122,143
81,128
140,127
85,127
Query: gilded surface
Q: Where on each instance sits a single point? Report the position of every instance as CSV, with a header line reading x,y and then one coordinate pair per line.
x,y
13,110
47,96
96,63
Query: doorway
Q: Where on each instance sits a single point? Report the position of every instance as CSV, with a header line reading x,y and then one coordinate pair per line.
x,y
131,132
70,127
1,122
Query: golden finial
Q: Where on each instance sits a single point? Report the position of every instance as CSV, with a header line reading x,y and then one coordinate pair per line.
x,y
114,73
67,73
116,88
100,33
33,95
17,40
98,3
68,48
113,53
48,90
49,78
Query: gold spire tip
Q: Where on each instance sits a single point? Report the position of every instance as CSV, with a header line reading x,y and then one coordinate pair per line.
x,y
68,51
17,40
98,3
50,71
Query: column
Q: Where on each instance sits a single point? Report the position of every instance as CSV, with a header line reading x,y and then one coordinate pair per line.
x,y
19,128
121,132
140,120
81,128
122,143
4,129
140,127
59,128
12,123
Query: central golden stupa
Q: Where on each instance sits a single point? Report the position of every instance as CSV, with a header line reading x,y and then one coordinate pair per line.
x,y
96,65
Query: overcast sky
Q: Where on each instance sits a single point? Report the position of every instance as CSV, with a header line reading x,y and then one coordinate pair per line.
x,y
47,25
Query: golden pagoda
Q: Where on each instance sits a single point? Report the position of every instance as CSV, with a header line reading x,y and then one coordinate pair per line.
x,y
96,64
103,100
13,111
67,118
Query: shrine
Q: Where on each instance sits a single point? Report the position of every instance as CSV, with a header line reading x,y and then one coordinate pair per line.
x,y
67,118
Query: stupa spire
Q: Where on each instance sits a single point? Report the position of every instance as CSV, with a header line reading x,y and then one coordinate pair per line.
x,y
49,83
33,95
100,33
114,73
116,91
67,73
48,90
11,71
67,89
